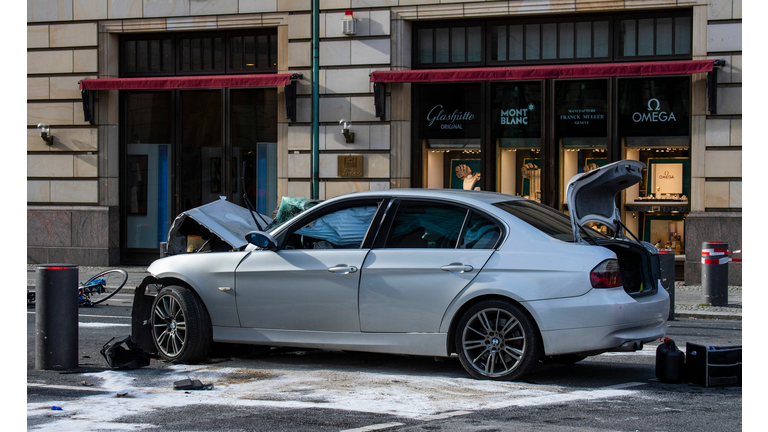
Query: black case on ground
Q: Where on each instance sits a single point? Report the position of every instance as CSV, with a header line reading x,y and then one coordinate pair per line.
x,y
710,366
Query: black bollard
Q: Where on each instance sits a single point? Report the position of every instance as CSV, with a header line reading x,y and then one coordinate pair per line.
x,y
667,269
56,314
714,273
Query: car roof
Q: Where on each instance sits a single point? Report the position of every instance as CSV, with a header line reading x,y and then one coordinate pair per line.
x,y
467,196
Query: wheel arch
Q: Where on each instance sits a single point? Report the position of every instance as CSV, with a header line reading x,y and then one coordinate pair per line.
x,y
451,345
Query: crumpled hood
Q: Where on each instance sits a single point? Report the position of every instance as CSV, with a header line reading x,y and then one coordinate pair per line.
x,y
229,221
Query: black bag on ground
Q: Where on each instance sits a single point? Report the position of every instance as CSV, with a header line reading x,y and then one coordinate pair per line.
x,y
124,354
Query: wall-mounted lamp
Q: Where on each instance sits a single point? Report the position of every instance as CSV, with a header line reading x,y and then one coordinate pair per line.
x,y
45,133
348,24
349,136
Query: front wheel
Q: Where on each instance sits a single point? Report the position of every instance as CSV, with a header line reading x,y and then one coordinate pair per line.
x,y
496,340
181,327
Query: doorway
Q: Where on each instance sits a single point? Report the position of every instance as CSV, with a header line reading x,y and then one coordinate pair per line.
x,y
186,148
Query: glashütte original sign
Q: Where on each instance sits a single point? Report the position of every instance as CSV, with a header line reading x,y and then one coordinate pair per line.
x,y
449,111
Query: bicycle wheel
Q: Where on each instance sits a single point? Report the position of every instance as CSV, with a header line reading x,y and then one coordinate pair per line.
x,y
99,292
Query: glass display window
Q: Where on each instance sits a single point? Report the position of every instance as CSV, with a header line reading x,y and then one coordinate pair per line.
x,y
449,133
516,124
581,128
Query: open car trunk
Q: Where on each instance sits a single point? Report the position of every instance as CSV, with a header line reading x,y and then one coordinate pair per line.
x,y
592,200
638,264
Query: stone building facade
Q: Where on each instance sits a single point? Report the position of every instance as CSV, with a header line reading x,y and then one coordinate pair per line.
x,y
82,200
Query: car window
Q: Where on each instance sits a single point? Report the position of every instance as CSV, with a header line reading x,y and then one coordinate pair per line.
x,y
341,229
545,219
482,233
426,225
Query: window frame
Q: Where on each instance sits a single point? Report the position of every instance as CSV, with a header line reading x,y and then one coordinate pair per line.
x,y
655,16
176,38
450,25
387,223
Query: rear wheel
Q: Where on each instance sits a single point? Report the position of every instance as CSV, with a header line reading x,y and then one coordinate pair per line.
x,y
181,327
497,340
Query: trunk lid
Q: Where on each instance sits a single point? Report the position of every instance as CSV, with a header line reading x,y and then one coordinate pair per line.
x,y
592,195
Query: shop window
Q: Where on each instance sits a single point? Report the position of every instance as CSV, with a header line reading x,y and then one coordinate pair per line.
x,y
449,129
252,52
660,36
581,127
654,128
516,123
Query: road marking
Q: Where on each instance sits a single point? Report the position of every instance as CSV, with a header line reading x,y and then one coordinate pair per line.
x,y
101,324
95,316
625,385
443,416
65,387
379,426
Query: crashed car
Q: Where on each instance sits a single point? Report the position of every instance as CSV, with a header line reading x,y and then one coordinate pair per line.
x,y
500,281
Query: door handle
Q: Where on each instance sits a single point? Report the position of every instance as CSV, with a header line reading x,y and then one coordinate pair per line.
x,y
457,267
342,269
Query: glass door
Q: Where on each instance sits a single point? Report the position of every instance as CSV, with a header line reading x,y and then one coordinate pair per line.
x,y
147,189
201,150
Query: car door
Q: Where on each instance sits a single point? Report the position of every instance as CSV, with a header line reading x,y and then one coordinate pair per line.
x,y
311,281
431,252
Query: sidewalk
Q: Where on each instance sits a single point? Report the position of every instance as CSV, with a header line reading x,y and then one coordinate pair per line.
x,y
688,298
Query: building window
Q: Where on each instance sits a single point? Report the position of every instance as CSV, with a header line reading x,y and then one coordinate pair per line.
x,y
662,36
589,39
199,53
450,45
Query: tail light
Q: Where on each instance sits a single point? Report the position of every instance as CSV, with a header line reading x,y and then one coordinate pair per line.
x,y
606,275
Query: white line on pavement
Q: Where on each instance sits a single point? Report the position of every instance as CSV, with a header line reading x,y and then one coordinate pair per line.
x,y
65,387
443,415
379,426
95,316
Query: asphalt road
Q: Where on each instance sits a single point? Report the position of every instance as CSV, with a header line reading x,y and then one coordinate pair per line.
x,y
338,391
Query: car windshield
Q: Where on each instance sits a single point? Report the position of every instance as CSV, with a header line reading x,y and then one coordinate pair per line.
x,y
546,219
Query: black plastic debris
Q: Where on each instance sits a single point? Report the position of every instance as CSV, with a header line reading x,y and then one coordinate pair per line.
x,y
189,384
124,354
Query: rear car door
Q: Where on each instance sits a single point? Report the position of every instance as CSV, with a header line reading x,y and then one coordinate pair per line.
x,y
311,281
430,252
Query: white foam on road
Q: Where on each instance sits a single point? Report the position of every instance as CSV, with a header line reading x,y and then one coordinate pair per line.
x,y
100,324
410,396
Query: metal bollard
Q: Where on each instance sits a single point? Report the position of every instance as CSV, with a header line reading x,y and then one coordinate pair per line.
x,y
714,273
56,314
667,269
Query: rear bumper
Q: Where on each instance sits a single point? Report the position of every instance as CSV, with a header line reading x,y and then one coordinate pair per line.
x,y
600,320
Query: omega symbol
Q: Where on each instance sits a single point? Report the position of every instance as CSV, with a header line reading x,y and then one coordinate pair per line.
x,y
658,104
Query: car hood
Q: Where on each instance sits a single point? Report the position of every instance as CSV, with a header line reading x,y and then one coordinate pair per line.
x,y
591,195
229,221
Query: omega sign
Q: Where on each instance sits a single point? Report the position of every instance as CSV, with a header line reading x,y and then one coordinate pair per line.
x,y
654,113
447,120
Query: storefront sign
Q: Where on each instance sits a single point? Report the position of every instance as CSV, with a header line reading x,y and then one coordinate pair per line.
x,y
449,111
654,106
667,178
516,110
581,108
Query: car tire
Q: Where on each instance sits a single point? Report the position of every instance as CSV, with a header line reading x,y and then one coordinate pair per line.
x,y
497,340
180,326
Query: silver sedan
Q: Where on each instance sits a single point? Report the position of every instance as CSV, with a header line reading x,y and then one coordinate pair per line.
x,y
500,281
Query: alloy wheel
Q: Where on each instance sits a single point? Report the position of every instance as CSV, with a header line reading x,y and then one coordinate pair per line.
x,y
494,342
169,326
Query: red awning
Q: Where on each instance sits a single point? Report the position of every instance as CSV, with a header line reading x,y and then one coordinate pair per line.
x,y
544,72
186,82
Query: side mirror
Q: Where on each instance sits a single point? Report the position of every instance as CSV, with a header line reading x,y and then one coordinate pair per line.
x,y
262,240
